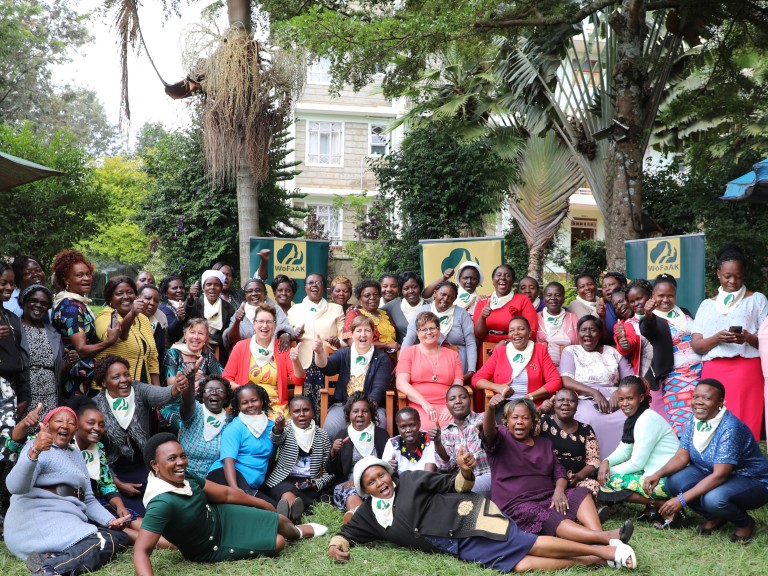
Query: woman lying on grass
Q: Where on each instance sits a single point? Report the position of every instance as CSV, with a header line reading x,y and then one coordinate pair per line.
x,y
208,522
437,513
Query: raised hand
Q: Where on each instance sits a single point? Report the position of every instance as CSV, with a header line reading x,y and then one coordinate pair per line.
x,y
240,313
33,418
294,353
434,433
495,400
317,344
338,444
194,290
650,306
279,423
486,311
44,439
181,312
600,307
113,333
448,273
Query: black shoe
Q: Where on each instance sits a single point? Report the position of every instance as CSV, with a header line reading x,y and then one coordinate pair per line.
x,y
297,509
283,508
647,515
670,523
744,539
626,531
35,561
45,571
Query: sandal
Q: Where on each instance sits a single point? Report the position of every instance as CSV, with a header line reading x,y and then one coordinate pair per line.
x,y
703,531
670,523
623,555
297,509
647,515
735,538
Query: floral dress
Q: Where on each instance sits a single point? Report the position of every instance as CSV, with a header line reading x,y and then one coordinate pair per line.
x,y
574,450
42,376
72,317
678,385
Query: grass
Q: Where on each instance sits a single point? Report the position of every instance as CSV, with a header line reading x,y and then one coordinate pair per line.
x,y
674,553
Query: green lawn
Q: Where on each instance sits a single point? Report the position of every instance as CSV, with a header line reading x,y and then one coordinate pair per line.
x,y
678,552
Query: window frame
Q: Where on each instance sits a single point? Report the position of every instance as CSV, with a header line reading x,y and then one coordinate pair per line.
x,y
307,153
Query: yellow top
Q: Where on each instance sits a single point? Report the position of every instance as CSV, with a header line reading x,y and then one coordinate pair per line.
x,y
138,348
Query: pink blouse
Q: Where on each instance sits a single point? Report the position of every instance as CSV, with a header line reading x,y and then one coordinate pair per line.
x,y
414,362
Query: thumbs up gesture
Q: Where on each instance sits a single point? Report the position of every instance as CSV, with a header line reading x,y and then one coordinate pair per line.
x,y
294,353
465,460
240,313
317,343
32,419
44,439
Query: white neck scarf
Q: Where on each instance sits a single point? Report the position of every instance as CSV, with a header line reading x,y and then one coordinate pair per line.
x,y
175,304
519,359
250,312
553,323
312,310
122,408
57,299
359,363
383,510
410,311
184,349
256,424
446,318
465,299
262,356
727,301
591,305
676,317
156,487
362,439
305,437
703,431
91,457
212,313
212,423
500,301
536,303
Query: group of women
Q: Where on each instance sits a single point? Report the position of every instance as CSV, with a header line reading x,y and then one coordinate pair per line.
x,y
612,399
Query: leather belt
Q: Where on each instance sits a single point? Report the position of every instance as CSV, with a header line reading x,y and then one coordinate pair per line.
x,y
498,332
65,490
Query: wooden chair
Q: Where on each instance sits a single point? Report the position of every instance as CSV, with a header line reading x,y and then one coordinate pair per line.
x,y
485,351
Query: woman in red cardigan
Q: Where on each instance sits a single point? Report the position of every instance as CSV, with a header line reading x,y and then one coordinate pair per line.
x,y
259,361
522,368
493,313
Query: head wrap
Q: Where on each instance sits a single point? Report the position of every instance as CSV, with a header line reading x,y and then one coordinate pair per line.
x,y
212,274
363,465
57,410
34,288
470,264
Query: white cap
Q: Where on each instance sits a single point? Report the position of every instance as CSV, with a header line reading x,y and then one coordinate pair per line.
x,y
470,264
363,465
212,274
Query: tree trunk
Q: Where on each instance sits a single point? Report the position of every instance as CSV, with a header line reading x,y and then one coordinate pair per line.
x,y
536,262
624,214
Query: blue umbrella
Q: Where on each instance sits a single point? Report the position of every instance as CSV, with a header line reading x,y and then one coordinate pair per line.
x,y
753,186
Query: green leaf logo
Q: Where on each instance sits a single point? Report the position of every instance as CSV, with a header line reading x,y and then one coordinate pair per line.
x,y
263,352
361,361
494,300
213,421
365,437
120,405
551,319
518,358
87,456
464,297
673,314
383,505
443,320
312,309
728,299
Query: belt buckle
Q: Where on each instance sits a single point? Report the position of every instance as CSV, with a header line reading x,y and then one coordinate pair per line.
x,y
80,494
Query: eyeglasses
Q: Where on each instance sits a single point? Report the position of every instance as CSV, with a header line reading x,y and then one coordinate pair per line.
x,y
254,291
314,282
216,391
264,322
36,302
427,330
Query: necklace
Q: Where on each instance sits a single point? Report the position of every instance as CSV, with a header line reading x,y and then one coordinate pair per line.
x,y
433,364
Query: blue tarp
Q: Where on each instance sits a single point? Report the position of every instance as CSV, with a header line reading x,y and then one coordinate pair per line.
x,y
753,186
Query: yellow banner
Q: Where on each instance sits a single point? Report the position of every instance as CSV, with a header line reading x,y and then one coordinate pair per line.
x,y
290,258
439,255
663,257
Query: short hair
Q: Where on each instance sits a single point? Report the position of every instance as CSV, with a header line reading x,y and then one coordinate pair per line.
x,y
102,367
362,321
166,282
388,275
342,280
20,262
532,279
301,398
528,403
523,319
449,284
665,279
63,263
150,448
228,393
619,292
114,282
255,281
568,391
423,317
409,410
192,322
640,284
584,275
149,287
555,285
639,383
508,267
589,318
452,386
716,384
81,403
729,252
5,267
618,276
31,289
361,397
264,307
366,283
283,279
406,276
220,264
325,282
266,404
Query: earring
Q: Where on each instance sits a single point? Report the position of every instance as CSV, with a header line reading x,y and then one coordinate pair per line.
x,y
67,287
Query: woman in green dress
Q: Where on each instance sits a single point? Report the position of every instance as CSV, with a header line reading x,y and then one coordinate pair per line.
x,y
208,522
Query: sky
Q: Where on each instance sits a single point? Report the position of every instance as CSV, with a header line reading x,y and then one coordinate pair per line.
x,y
97,66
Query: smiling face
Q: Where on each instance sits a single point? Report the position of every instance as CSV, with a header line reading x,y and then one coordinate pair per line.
x,y
530,288
254,293
249,402
520,422
731,275
519,334
566,402
665,295
196,336
264,325
62,427
586,289
389,289
79,279
706,402
469,279
377,482
90,427
152,298
144,278
408,426
554,297
411,292
362,336
360,415
429,333
444,298
31,273
503,279
170,463
589,336
609,285
118,380
175,290
369,299
212,289
629,400
636,298
36,306
122,298
457,402
284,294
6,285
214,396
341,293
315,287
621,306
302,413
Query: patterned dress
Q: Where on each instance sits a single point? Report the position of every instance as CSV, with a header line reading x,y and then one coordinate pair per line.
x,y
72,317
42,377
574,450
678,385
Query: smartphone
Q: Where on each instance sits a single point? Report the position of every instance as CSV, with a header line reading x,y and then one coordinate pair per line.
x,y
114,322
735,329
304,485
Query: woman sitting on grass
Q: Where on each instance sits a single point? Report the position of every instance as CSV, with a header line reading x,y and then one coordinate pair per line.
x,y
206,521
437,513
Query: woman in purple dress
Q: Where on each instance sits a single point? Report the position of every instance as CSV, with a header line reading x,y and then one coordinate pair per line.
x,y
530,485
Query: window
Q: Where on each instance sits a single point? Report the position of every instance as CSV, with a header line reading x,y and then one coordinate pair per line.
x,y
319,72
324,143
330,217
379,140
583,229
